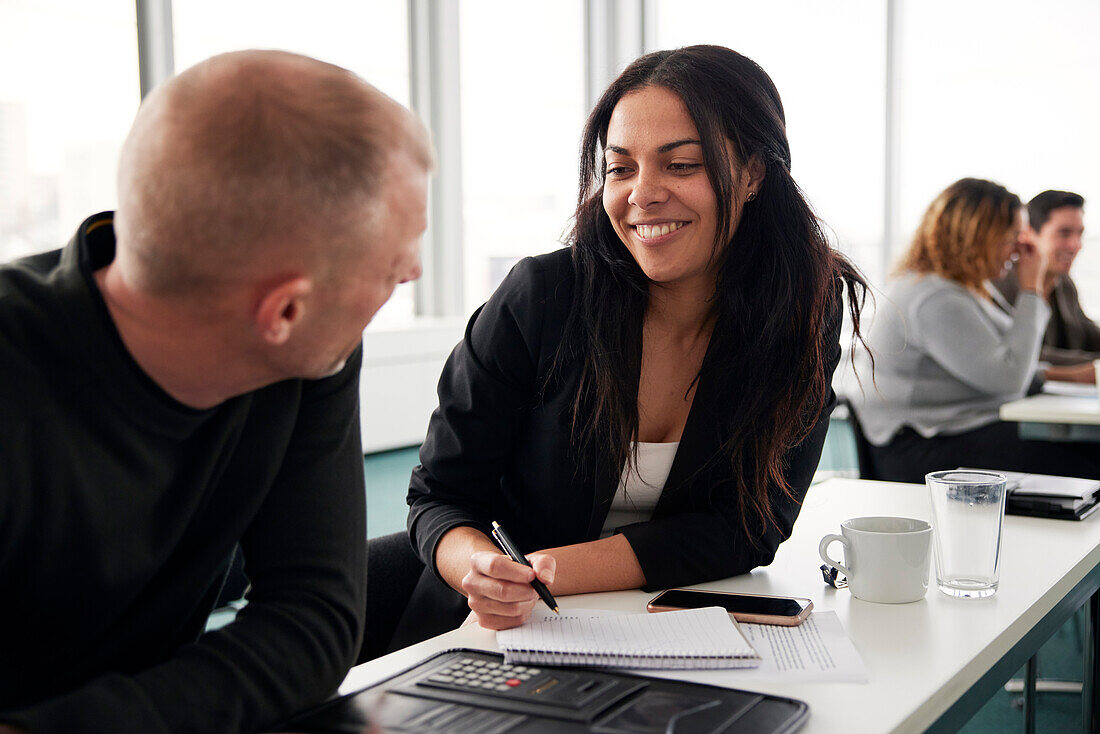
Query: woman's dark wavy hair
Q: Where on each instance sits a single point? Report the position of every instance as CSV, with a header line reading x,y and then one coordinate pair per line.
x,y
779,282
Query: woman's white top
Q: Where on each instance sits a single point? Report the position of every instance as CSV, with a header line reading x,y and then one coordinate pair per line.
x,y
640,486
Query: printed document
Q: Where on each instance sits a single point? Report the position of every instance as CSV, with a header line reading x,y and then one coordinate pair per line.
x,y
816,651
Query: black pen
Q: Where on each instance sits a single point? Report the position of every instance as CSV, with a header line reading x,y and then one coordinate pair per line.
x,y
508,547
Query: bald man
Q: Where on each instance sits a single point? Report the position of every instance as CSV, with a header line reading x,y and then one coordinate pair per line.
x,y
183,377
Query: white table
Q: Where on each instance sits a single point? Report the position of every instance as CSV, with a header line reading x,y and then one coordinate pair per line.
x,y
1055,417
931,664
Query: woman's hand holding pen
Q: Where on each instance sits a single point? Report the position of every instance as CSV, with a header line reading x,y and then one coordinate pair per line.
x,y
499,589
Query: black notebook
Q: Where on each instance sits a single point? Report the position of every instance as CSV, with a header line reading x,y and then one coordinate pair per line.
x,y
1043,495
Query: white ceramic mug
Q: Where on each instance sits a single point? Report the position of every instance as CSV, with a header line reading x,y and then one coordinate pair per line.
x,y
886,558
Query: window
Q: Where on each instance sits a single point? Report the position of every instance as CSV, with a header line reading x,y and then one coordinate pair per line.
x,y
1005,91
67,97
999,89
522,71
369,38
828,62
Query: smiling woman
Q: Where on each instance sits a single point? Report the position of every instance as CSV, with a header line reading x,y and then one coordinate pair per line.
x,y
647,407
656,191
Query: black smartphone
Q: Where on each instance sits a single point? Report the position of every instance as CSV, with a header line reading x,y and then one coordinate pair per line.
x,y
787,611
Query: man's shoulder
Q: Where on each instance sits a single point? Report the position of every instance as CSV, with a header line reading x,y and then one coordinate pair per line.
x,y
1066,303
25,284
1066,285
29,303
37,345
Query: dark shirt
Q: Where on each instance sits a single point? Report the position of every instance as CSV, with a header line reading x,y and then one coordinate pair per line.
x,y
119,507
498,448
1071,336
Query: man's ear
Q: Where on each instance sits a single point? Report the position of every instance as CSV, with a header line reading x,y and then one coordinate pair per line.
x,y
281,307
1029,235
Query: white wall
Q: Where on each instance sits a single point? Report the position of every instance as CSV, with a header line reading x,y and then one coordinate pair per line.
x,y
401,367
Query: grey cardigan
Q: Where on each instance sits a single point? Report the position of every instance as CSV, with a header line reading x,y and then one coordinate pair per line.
x,y
945,359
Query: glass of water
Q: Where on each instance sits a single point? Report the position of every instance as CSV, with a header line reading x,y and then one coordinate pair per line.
x,y
968,510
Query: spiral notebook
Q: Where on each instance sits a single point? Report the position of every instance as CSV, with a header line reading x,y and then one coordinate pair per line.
x,y
688,639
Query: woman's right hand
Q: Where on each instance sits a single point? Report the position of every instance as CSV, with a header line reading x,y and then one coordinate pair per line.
x,y
499,589
1030,267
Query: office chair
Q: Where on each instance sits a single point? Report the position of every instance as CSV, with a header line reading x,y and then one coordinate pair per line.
x,y
863,447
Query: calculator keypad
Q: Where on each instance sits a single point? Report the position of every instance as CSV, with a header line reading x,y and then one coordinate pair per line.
x,y
470,674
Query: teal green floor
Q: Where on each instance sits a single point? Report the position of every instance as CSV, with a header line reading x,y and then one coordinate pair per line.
x,y
1060,658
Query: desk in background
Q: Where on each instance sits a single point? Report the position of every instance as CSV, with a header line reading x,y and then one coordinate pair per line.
x,y
932,663
1056,416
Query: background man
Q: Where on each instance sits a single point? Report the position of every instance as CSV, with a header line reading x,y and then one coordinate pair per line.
x,y
1072,340
183,376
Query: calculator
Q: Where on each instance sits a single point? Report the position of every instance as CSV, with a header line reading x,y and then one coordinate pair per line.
x,y
462,691
517,686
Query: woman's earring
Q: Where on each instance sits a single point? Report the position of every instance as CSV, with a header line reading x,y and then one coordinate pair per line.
x,y
750,197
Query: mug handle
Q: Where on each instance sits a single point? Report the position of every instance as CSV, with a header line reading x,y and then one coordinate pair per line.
x,y
822,550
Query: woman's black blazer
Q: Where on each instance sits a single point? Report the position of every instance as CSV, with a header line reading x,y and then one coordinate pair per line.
x,y
498,448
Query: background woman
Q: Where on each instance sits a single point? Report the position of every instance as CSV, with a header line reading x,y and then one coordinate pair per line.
x,y
645,408
949,350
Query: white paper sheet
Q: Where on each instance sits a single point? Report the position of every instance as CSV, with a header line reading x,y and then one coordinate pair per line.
x,y
1073,389
816,651
686,639
1045,485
